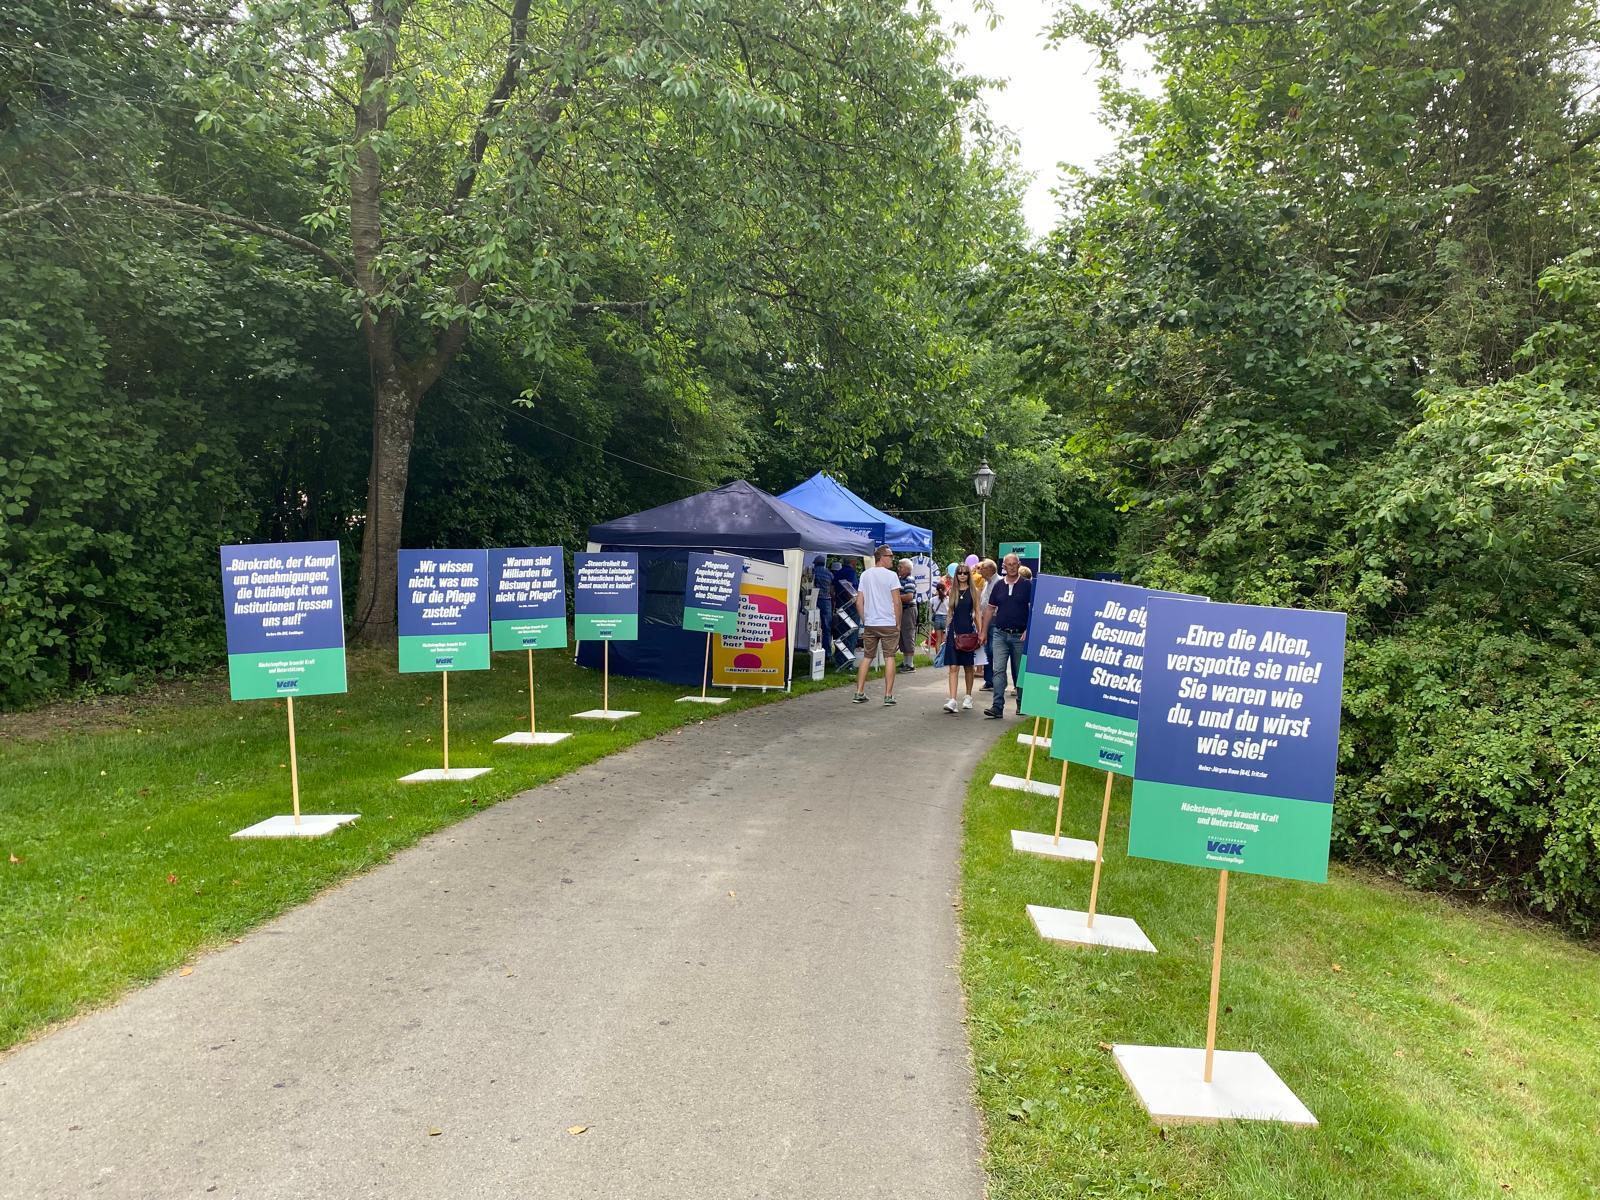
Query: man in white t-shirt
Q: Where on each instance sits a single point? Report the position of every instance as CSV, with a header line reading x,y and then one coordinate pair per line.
x,y
878,602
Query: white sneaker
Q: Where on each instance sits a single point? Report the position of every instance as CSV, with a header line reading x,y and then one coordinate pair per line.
x,y
966,704
950,706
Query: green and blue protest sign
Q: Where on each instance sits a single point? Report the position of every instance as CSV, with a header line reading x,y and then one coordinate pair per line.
x,y
1049,617
711,593
605,596
528,598
1097,710
1097,713
1239,737
444,610
283,607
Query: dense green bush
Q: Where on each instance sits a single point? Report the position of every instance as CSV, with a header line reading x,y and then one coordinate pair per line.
x,y
113,508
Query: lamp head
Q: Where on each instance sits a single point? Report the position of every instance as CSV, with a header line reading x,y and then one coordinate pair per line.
x,y
983,480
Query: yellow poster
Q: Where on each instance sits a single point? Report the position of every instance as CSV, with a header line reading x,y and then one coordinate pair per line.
x,y
758,653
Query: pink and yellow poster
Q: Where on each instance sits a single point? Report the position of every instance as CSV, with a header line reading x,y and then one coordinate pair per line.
x,y
757,654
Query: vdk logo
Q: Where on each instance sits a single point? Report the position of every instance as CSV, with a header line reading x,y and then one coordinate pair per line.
x,y
1233,849
1114,757
444,664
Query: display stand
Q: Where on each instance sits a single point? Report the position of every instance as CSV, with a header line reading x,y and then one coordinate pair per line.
x,y
531,736
1033,739
1046,846
1078,928
1178,1085
435,774
295,825
705,680
605,712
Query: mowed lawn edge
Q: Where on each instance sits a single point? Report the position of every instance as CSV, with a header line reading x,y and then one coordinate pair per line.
x,y
1446,1052
116,864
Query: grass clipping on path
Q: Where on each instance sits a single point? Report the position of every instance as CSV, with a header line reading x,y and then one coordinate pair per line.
x,y
1446,1053
116,863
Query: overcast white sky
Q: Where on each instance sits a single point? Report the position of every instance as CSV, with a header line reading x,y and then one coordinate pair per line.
x,y
1050,102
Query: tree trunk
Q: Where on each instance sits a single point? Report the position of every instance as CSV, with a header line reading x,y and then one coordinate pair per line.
x,y
394,419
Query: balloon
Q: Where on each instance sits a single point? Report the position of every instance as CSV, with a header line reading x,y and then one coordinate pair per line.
x,y
972,560
950,571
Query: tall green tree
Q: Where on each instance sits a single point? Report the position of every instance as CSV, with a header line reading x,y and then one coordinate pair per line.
x,y
712,174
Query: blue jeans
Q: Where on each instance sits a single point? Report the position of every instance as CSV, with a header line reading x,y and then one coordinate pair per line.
x,y
988,658
1004,648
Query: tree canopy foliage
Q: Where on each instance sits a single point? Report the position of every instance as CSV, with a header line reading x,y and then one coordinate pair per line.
x,y
1328,309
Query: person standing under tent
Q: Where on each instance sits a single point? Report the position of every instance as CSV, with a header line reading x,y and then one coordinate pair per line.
x,y
878,602
822,581
1006,607
964,615
908,613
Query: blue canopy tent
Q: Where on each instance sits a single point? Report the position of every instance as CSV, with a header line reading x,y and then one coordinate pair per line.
x,y
739,518
825,497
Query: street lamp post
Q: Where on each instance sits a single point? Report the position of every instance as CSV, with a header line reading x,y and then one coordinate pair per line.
x,y
983,484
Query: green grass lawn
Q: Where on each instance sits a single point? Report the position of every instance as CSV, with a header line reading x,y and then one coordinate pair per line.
x,y
1446,1053
115,859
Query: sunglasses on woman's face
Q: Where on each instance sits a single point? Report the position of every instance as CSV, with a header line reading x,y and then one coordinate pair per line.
x,y
963,575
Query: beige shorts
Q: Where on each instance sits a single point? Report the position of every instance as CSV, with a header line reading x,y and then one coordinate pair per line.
x,y
873,636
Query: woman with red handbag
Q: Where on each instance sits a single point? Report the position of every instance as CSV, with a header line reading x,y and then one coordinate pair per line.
x,y
963,634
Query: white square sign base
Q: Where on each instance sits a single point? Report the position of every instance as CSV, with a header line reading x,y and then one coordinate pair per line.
x,y
309,827
1018,784
436,774
1071,926
524,738
1027,739
1170,1084
702,699
605,714
1045,845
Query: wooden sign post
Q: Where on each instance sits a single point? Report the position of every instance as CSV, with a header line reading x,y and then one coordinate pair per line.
x,y
1216,973
1099,852
294,767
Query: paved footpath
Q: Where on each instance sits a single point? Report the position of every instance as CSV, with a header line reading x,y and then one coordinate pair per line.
x,y
729,952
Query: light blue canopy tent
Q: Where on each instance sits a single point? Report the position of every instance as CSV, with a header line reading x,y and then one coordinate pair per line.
x,y
826,498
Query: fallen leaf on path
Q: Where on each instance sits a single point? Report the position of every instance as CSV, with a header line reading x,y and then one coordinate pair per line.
x,y
1106,1046
172,879
732,895
15,860
435,1132
1337,968
187,971
575,1130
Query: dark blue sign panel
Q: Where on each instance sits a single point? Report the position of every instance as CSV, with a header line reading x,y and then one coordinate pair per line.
x,y
1049,616
711,593
444,610
528,598
1238,737
605,596
283,607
